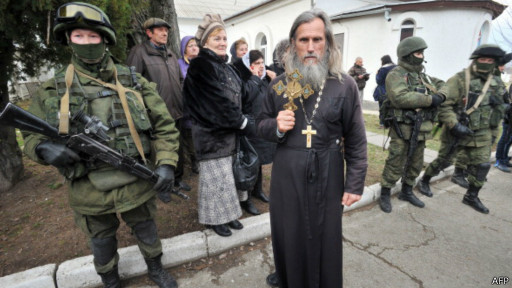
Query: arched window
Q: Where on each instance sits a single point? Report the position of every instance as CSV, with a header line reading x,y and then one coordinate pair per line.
x,y
407,29
263,45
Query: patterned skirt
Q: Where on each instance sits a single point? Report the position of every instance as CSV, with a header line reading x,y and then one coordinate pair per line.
x,y
218,198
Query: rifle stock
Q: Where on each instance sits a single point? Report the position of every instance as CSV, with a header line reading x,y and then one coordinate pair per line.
x,y
16,117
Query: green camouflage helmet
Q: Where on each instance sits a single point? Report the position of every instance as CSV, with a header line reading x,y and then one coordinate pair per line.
x,y
75,15
488,50
410,45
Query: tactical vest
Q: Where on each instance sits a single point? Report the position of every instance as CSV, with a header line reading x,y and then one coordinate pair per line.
x,y
99,101
418,85
490,111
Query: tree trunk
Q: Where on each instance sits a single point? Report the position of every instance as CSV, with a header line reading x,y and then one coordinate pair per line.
x,y
11,161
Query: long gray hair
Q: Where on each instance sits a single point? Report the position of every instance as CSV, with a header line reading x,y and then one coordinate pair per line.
x,y
334,63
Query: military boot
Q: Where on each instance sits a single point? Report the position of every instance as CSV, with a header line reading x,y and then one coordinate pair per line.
x,y
273,280
459,178
158,274
385,202
248,206
407,195
424,186
471,199
111,279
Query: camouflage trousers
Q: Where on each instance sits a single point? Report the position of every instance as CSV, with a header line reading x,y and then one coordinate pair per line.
x,y
476,156
106,225
393,169
447,154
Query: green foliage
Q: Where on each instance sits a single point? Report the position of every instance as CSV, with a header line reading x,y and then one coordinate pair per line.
x,y
26,35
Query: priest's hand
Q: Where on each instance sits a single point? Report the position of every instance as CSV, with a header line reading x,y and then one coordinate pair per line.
x,y
349,199
285,120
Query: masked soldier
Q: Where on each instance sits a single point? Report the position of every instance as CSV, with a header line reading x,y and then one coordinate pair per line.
x,y
472,113
139,126
449,142
413,99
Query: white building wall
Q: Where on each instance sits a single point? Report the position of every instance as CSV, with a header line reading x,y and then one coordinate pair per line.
x,y
450,34
188,26
274,22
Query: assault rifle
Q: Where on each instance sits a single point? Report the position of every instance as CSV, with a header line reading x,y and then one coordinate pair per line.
x,y
417,119
16,117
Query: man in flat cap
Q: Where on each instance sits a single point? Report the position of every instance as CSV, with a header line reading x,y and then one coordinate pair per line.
x,y
158,64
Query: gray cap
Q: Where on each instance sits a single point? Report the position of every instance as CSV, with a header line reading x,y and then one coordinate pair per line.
x,y
155,22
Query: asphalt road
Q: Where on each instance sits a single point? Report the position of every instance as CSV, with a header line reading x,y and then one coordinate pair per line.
x,y
445,244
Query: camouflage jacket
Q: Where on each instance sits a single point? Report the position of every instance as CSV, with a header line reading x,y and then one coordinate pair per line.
x,y
484,120
409,90
95,188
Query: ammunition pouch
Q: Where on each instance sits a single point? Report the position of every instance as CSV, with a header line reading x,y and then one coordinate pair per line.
x,y
108,178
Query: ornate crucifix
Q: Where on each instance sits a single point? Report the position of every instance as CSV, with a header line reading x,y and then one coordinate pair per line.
x,y
308,132
293,89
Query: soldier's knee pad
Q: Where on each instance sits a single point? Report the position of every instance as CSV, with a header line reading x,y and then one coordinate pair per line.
x,y
146,232
480,171
104,249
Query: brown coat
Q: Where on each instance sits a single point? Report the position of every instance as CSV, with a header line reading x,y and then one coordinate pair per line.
x,y
161,67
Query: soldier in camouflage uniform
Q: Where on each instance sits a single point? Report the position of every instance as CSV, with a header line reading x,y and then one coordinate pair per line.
x,y
472,112
95,85
411,93
448,148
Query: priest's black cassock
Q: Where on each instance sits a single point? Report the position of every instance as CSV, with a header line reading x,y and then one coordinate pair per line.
x,y
307,184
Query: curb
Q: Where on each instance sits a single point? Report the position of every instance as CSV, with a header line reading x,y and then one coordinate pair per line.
x,y
80,272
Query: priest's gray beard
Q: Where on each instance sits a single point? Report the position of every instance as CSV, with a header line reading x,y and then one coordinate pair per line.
x,y
314,74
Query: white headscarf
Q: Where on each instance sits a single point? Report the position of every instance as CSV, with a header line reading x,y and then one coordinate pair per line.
x,y
247,64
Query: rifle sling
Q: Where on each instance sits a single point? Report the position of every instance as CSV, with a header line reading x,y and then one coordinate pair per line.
x,y
122,96
481,96
64,102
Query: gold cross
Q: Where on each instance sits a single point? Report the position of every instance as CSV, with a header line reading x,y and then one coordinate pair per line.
x,y
293,89
308,132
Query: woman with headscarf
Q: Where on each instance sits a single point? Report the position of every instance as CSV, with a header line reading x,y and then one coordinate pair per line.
x,y
255,79
213,96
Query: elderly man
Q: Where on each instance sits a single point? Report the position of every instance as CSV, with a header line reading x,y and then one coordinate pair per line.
x,y
359,73
314,114
158,64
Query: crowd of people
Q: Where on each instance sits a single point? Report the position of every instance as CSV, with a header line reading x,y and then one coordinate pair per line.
x,y
302,113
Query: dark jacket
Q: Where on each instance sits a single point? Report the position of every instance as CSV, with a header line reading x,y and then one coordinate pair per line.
x,y
161,67
256,90
213,97
380,92
357,70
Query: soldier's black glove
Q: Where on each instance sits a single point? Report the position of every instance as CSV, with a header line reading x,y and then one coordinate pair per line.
x,y
56,154
165,182
436,100
249,129
460,130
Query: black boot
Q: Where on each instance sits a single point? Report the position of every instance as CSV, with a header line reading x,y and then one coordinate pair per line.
x,y
459,178
471,199
104,250
424,186
407,195
257,192
385,202
248,206
158,274
111,279
273,280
